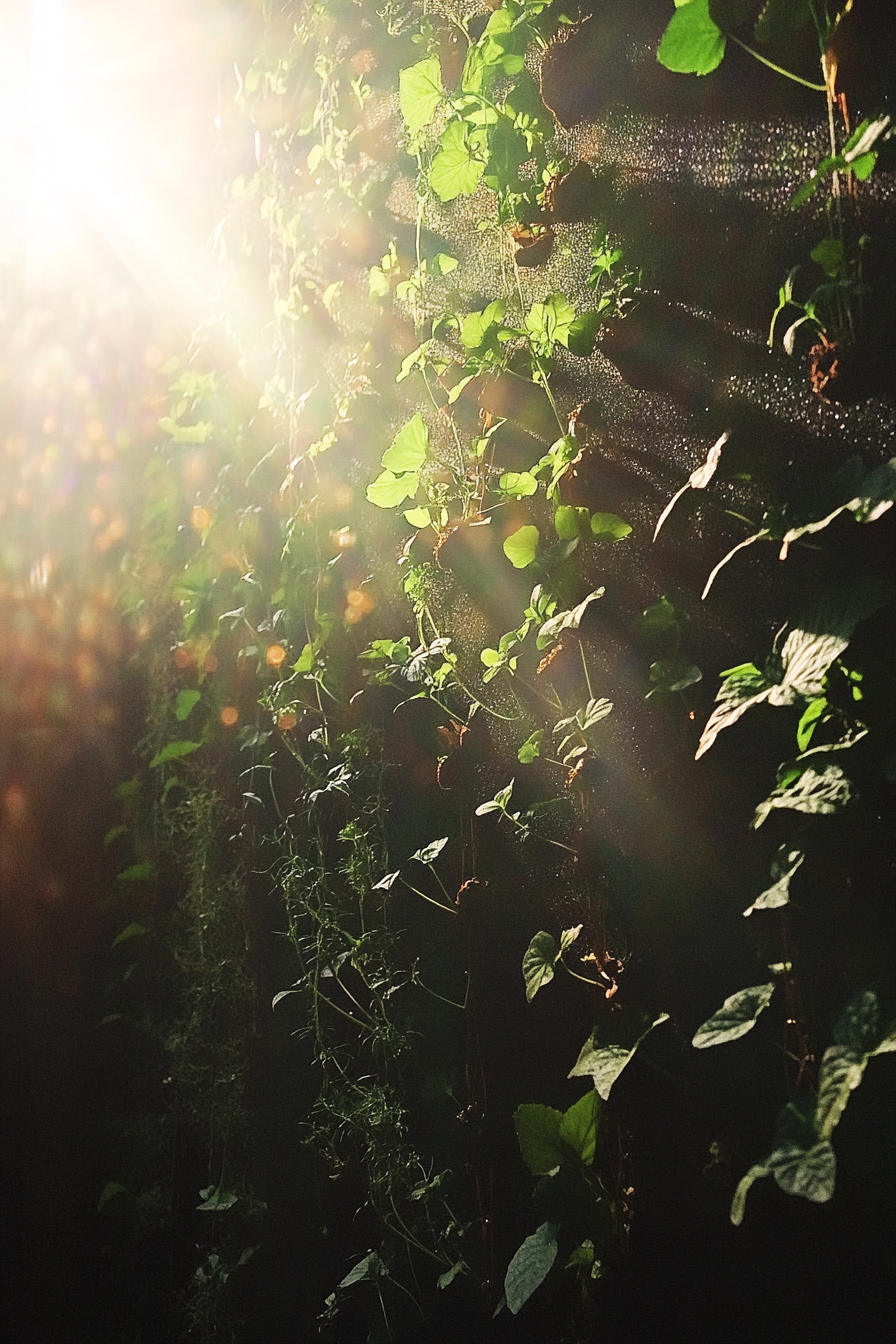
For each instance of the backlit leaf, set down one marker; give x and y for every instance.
(458, 166)
(604, 1063)
(389, 490)
(409, 447)
(784, 866)
(521, 547)
(420, 92)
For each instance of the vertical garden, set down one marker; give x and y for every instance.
(448, 700)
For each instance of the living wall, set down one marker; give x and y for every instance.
(539, 441)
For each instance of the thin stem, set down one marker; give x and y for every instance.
(778, 69)
(585, 669)
(438, 904)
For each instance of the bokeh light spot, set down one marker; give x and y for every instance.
(275, 656)
(200, 518)
(229, 715)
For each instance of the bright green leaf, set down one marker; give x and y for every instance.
(531, 748)
(458, 166)
(409, 447)
(692, 43)
(609, 527)
(186, 702)
(517, 484)
(198, 433)
(521, 547)
(578, 1128)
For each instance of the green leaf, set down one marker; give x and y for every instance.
(571, 522)
(538, 963)
(810, 720)
(111, 1190)
(458, 166)
(817, 792)
(389, 490)
(517, 484)
(531, 748)
(538, 1133)
(784, 865)
(173, 752)
(198, 433)
(692, 43)
(529, 1268)
(521, 547)
(478, 327)
(371, 1267)
(858, 1027)
(583, 333)
(739, 1201)
(418, 517)
(736, 1016)
(429, 853)
(133, 930)
(186, 702)
(409, 447)
(442, 264)
(549, 323)
(420, 92)
(609, 527)
(444, 1280)
(808, 1172)
(578, 1128)
(567, 620)
(215, 1200)
(604, 1063)
(138, 872)
(829, 255)
(841, 1072)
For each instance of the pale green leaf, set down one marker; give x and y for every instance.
(841, 1072)
(517, 484)
(132, 930)
(420, 92)
(784, 865)
(418, 517)
(604, 1063)
(389, 490)
(198, 433)
(736, 1016)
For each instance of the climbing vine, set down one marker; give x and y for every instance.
(369, 726)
